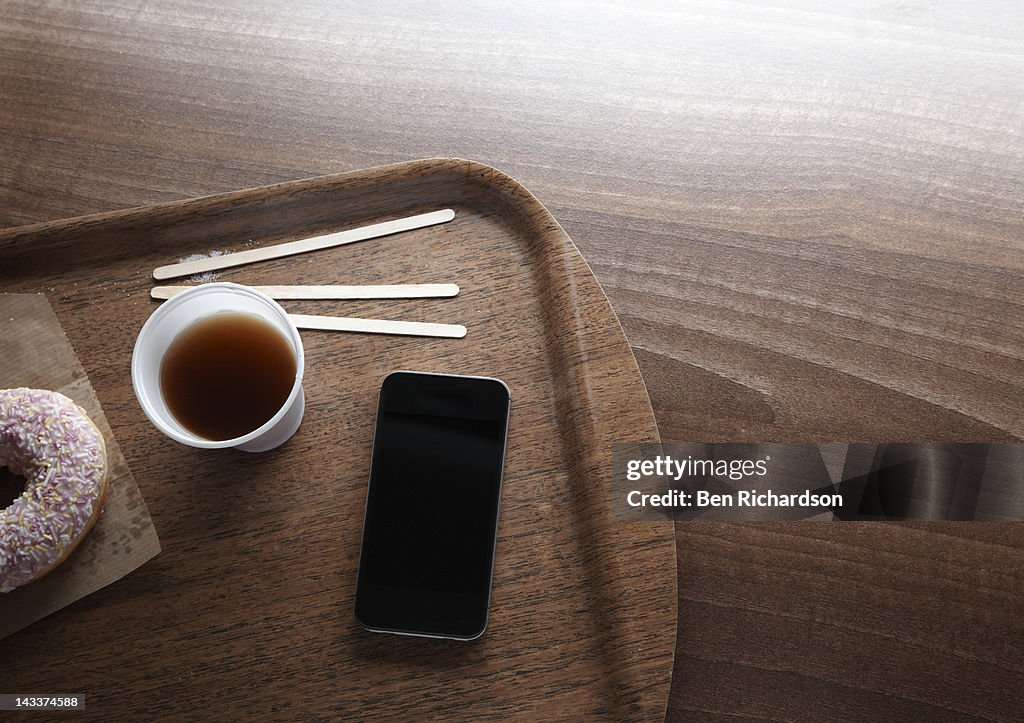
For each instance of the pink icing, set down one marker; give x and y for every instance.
(45, 437)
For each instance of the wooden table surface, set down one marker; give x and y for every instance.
(808, 219)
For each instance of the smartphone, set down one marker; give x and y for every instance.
(427, 555)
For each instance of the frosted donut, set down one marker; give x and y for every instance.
(50, 440)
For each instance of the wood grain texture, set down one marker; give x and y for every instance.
(808, 217)
(255, 587)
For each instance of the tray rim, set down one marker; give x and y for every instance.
(494, 178)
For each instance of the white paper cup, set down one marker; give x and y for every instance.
(179, 313)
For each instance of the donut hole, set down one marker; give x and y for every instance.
(12, 486)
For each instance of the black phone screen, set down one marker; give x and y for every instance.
(432, 505)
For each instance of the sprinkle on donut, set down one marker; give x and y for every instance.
(48, 439)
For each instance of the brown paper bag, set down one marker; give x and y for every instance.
(36, 354)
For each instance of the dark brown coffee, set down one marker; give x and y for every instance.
(226, 375)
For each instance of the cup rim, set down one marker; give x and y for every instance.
(163, 310)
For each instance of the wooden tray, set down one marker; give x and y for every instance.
(249, 608)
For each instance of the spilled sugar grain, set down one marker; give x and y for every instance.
(207, 277)
(203, 278)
